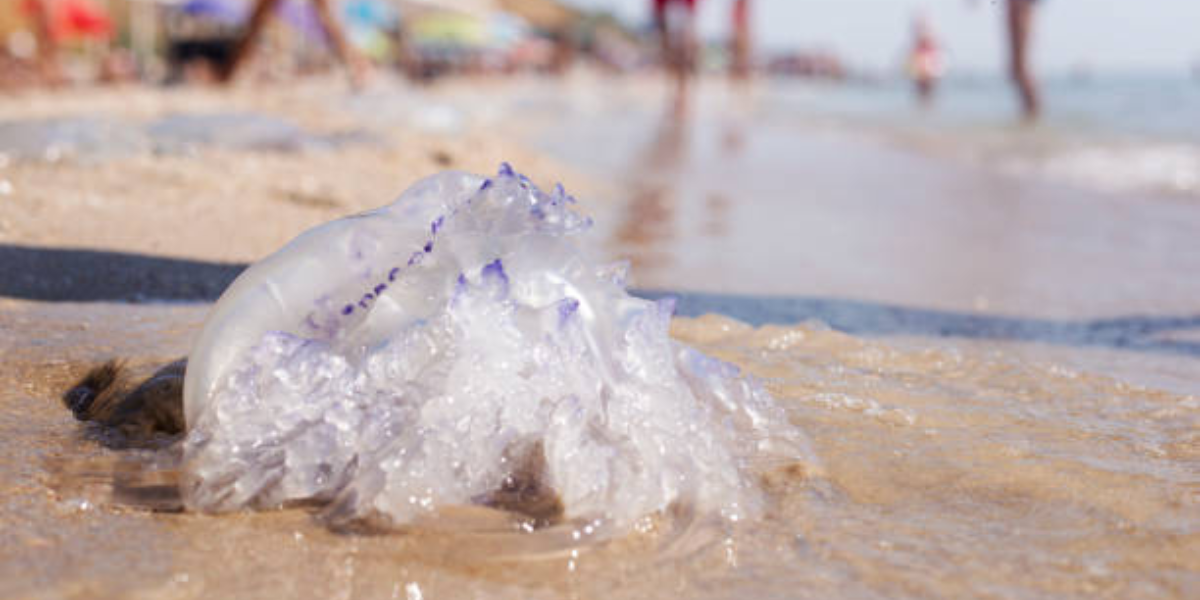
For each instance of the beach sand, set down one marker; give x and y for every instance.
(1007, 406)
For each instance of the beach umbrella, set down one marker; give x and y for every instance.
(74, 19)
(302, 17)
(369, 13)
(475, 8)
(547, 15)
(82, 19)
(506, 30)
(368, 23)
(449, 28)
(230, 12)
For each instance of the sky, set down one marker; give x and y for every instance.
(1101, 35)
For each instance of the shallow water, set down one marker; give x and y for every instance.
(742, 212)
(1109, 132)
(947, 472)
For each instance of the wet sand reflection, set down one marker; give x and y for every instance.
(649, 220)
(652, 225)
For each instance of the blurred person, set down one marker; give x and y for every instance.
(925, 61)
(358, 66)
(47, 49)
(199, 37)
(675, 21)
(55, 20)
(1020, 24)
(739, 47)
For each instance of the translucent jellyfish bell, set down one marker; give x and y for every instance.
(458, 347)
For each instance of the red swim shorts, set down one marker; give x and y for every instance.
(660, 6)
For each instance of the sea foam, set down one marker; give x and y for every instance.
(460, 347)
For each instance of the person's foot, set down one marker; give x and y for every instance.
(361, 73)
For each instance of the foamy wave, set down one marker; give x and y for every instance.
(1169, 168)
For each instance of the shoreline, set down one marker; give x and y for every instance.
(957, 446)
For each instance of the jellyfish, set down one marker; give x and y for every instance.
(463, 346)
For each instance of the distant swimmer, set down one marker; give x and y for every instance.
(1020, 24)
(925, 65)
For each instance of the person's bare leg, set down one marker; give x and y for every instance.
(739, 47)
(684, 62)
(341, 46)
(679, 72)
(664, 38)
(47, 48)
(258, 19)
(1020, 22)
(667, 52)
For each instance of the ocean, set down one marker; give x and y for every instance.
(1133, 132)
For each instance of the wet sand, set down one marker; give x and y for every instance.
(947, 473)
(973, 440)
(193, 193)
